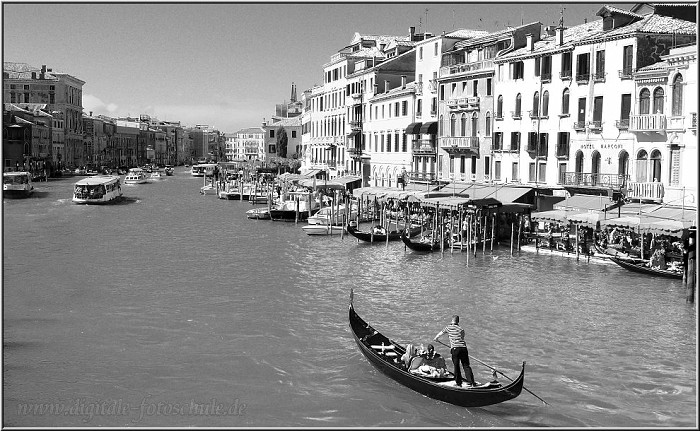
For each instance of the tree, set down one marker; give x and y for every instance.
(282, 143)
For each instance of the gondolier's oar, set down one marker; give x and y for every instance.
(500, 372)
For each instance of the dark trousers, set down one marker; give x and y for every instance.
(461, 354)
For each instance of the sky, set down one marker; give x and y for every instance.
(227, 64)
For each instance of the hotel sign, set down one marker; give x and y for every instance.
(602, 146)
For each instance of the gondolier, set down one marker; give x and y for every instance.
(458, 348)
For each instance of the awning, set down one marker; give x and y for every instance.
(628, 221)
(429, 128)
(353, 133)
(586, 203)
(503, 194)
(413, 128)
(347, 179)
(588, 219)
(559, 216)
(312, 173)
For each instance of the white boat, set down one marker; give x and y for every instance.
(332, 215)
(295, 208)
(203, 169)
(98, 189)
(135, 176)
(169, 170)
(258, 214)
(17, 184)
(157, 175)
(319, 229)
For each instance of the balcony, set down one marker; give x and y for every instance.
(463, 103)
(565, 75)
(419, 114)
(581, 179)
(622, 124)
(466, 67)
(516, 115)
(562, 151)
(648, 123)
(694, 120)
(357, 96)
(460, 143)
(646, 191)
(582, 78)
(579, 126)
(433, 85)
(546, 77)
(354, 152)
(676, 123)
(419, 88)
(452, 103)
(422, 176)
(423, 147)
(625, 73)
(599, 77)
(595, 126)
(356, 125)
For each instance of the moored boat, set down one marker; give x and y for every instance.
(258, 214)
(135, 176)
(295, 208)
(157, 175)
(17, 184)
(203, 169)
(320, 229)
(332, 215)
(99, 189)
(385, 355)
(377, 233)
(643, 267)
(425, 244)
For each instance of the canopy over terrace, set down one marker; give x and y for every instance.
(383, 193)
(655, 219)
(584, 210)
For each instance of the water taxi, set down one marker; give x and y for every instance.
(157, 175)
(135, 176)
(17, 184)
(203, 169)
(99, 189)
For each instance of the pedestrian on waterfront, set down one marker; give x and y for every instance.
(465, 227)
(459, 351)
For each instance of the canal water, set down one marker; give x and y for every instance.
(173, 309)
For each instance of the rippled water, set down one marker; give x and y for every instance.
(176, 298)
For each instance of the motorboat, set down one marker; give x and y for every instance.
(17, 184)
(98, 189)
(332, 215)
(169, 170)
(258, 214)
(135, 176)
(319, 229)
(157, 175)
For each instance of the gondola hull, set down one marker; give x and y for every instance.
(442, 389)
(425, 247)
(640, 268)
(369, 237)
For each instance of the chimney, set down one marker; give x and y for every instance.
(403, 81)
(585, 20)
(559, 36)
(550, 29)
(386, 86)
(91, 113)
(411, 33)
(264, 123)
(529, 42)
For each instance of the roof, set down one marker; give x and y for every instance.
(619, 11)
(251, 130)
(96, 180)
(656, 66)
(585, 203)
(380, 39)
(24, 70)
(287, 122)
(467, 34)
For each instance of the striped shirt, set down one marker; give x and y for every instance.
(456, 334)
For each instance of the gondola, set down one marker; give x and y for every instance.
(394, 235)
(421, 246)
(385, 354)
(605, 253)
(641, 268)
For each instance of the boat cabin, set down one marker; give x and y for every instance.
(97, 190)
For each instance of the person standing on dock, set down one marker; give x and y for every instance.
(459, 351)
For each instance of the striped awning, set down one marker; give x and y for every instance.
(413, 128)
(429, 128)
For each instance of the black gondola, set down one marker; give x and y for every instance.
(366, 236)
(384, 354)
(422, 246)
(642, 268)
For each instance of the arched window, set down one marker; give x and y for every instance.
(659, 100)
(644, 102)
(641, 168)
(536, 104)
(565, 102)
(545, 104)
(518, 102)
(453, 123)
(677, 95)
(579, 162)
(475, 124)
(623, 163)
(463, 125)
(488, 124)
(499, 107)
(441, 126)
(595, 163)
(655, 162)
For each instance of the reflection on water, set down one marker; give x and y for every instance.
(177, 298)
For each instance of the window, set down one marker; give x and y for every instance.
(625, 108)
(641, 170)
(396, 142)
(404, 144)
(453, 122)
(658, 100)
(537, 66)
(475, 87)
(518, 103)
(294, 133)
(563, 145)
(396, 109)
(463, 125)
(488, 124)
(475, 124)
(499, 107)
(404, 108)
(435, 51)
(677, 96)
(543, 145)
(498, 141)
(581, 110)
(487, 166)
(462, 165)
(473, 165)
(419, 108)
(627, 69)
(535, 105)
(497, 170)
(566, 65)
(545, 104)
(597, 112)
(655, 162)
(388, 143)
(515, 173)
(272, 133)
(271, 149)
(583, 67)
(433, 106)
(518, 70)
(515, 141)
(565, 102)
(454, 90)
(532, 142)
(600, 65)
(382, 140)
(546, 68)
(532, 173)
(420, 53)
(452, 165)
(644, 101)
(488, 86)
